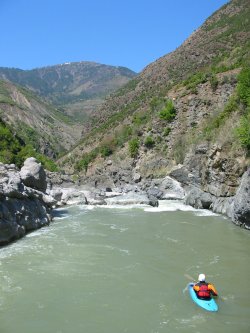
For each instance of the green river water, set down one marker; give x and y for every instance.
(114, 270)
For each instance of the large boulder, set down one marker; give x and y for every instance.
(241, 207)
(172, 189)
(198, 199)
(23, 208)
(67, 196)
(166, 188)
(33, 174)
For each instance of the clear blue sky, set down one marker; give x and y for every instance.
(130, 33)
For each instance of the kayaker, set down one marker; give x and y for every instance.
(203, 289)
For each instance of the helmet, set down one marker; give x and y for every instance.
(201, 277)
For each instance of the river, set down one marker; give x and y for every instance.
(115, 270)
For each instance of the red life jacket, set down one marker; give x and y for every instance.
(204, 291)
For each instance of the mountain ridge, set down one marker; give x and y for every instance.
(78, 87)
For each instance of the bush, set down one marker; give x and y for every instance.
(106, 151)
(83, 163)
(149, 142)
(243, 132)
(140, 118)
(195, 79)
(213, 82)
(133, 147)
(166, 131)
(168, 113)
(243, 86)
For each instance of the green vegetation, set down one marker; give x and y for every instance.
(243, 87)
(134, 147)
(239, 102)
(243, 132)
(168, 113)
(219, 120)
(234, 23)
(166, 131)
(5, 95)
(192, 81)
(140, 118)
(213, 82)
(14, 150)
(149, 142)
(86, 159)
(131, 85)
(243, 90)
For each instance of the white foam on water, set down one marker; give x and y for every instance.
(192, 321)
(169, 206)
(178, 205)
(115, 227)
(124, 207)
(205, 212)
(39, 232)
(215, 260)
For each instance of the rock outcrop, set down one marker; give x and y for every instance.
(241, 205)
(33, 175)
(24, 205)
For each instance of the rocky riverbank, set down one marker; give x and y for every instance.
(24, 205)
(181, 184)
(27, 196)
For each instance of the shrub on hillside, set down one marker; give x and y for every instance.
(149, 142)
(168, 113)
(243, 132)
(243, 87)
(133, 147)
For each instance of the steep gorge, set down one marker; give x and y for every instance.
(182, 116)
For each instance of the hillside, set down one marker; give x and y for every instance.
(36, 122)
(189, 108)
(76, 87)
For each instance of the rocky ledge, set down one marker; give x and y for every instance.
(24, 205)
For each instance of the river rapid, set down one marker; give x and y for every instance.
(125, 269)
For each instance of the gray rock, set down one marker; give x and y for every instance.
(22, 208)
(136, 177)
(172, 189)
(198, 199)
(241, 207)
(72, 196)
(19, 216)
(92, 197)
(223, 205)
(153, 201)
(181, 174)
(155, 192)
(33, 174)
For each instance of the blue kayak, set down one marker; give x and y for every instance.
(209, 305)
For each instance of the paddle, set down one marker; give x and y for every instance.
(189, 277)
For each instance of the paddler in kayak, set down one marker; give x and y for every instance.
(203, 289)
